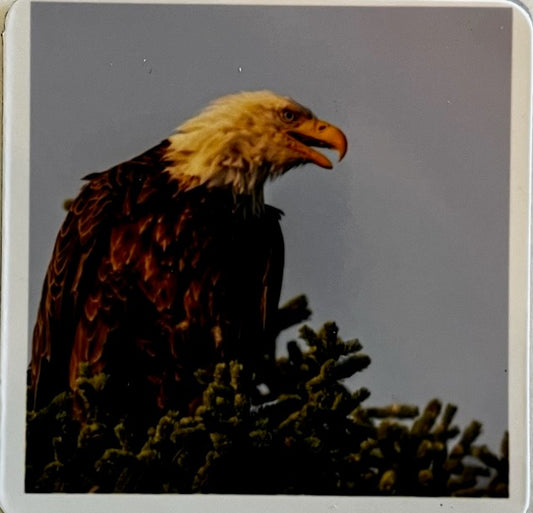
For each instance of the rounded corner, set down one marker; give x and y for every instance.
(15, 13)
(522, 15)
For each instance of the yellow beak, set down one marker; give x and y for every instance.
(317, 133)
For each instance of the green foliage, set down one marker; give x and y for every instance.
(296, 430)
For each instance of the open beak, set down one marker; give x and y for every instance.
(315, 133)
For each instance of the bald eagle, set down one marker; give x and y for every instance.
(171, 261)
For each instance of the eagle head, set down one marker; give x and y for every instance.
(241, 140)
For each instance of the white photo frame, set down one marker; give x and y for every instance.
(19, 170)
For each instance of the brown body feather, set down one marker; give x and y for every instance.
(154, 278)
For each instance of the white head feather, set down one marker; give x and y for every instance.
(241, 140)
(232, 142)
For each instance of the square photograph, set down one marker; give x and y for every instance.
(272, 251)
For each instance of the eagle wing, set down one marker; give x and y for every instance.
(70, 317)
(154, 280)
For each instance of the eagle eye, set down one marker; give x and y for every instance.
(289, 115)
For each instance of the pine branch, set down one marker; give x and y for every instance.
(307, 433)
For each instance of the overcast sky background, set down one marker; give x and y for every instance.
(404, 243)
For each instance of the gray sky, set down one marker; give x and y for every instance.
(404, 243)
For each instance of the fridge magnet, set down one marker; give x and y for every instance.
(265, 255)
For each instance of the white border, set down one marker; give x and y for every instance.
(14, 301)
(520, 253)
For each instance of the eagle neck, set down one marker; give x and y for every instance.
(226, 167)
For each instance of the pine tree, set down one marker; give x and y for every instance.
(293, 428)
